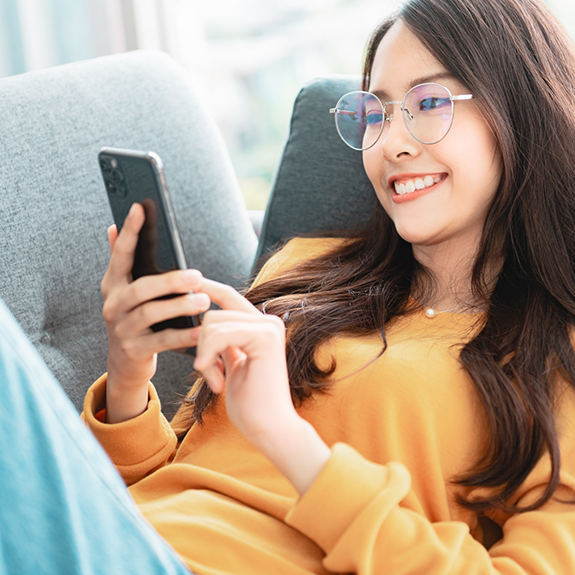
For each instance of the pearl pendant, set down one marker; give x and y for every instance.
(430, 313)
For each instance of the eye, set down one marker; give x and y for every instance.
(432, 103)
(373, 117)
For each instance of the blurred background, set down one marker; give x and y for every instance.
(248, 57)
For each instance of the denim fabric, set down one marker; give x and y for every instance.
(64, 509)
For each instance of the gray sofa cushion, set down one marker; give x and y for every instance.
(54, 211)
(320, 183)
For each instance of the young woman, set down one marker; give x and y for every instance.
(423, 419)
(401, 401)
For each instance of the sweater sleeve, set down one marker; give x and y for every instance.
(353, 512)
(137, 446)
(145, 443)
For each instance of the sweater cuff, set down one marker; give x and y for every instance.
(136, 446)
(342, 491)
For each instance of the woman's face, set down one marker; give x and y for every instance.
(464, 168)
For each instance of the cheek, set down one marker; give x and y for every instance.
(373, 165)
(370, 164)
(478, 171)
(477, 158)
(374, 168)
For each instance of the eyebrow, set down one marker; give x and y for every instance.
(385, 97)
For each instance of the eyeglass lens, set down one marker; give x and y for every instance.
(427, 113)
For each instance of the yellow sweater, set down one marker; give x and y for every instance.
(399, 430)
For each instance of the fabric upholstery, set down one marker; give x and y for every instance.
(54, 210)
(320, 183)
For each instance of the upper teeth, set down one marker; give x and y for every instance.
(417, 184)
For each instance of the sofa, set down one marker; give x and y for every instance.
(54, 210)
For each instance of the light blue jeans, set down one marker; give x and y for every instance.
(64, 509)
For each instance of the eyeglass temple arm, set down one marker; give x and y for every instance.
(347, 112)
(351, 113)
(462, 97)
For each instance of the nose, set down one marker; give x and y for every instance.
(395, 140)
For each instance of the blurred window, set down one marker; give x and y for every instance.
(248, 57)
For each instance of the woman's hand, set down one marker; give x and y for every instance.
(239, 350)
(130, 308)
(242, 352)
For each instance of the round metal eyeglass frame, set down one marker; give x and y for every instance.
(405, 113)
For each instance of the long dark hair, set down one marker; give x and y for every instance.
(519, 64)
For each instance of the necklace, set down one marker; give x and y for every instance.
(431, 313)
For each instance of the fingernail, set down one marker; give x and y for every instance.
(200, 299)
(132, 208)
(191, 276)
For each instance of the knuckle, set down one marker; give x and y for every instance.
(140, 291)
(279, 327)
(276, 321)
(129, 348)
(208, 316)
(160, 338)
(177, 282)
(172, 282)
(230, 292)
(137, 290)
(108, 311)
(226, 293)
(272, 328)
(145, 314)
(166, 338)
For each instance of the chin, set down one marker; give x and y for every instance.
(415, 234)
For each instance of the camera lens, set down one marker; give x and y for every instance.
(112, 188)
(116, 176)
(105, 164)
(113, 176)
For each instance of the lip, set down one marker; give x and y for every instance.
(402, 198)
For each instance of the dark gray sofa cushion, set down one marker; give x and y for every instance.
(320, 183)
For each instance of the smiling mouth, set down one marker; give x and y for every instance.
(416, 184)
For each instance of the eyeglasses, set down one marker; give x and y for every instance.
(360, 117)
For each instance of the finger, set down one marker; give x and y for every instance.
(151, 343)
(152, 287)
(217, 375)
(112, 236)
(231, 355)
(255, 339)
(152, 312)
(129, 296)
(225, 296)
(222, 316)
(215, 378)
(231, 358)
(122, 258)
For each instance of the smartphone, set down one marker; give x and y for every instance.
(132, 176)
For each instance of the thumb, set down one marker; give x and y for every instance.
(112, 236)
(232, 357)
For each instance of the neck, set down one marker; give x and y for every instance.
(450, 265)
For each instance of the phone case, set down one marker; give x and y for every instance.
(132, 176)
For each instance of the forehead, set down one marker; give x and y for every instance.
(401, 59)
